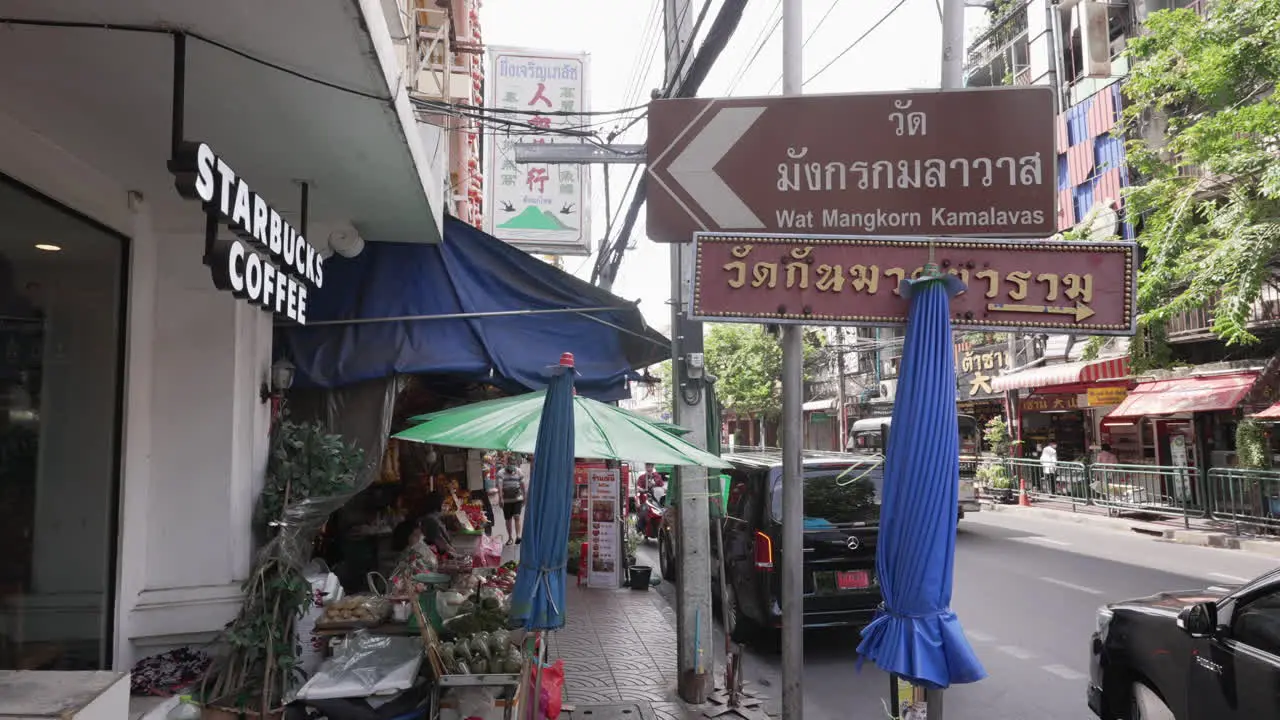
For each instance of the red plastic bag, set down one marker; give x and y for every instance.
(551, 693)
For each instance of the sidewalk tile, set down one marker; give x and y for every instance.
(619, 646)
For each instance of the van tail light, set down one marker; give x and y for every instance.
(764, 552)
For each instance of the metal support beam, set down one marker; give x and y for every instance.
(579, 154)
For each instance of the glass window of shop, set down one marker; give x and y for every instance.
(61, 281)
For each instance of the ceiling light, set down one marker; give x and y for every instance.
(48, 248)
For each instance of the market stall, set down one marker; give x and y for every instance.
(443, 633)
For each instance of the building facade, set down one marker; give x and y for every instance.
(1077, 47)
(137, 423)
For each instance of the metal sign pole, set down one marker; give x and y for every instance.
(792, 435)
(952, 79)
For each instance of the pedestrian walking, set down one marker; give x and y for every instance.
(1049, 464)
(513, 486)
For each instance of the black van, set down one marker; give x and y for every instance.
(842, 498)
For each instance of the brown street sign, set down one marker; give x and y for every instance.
(958, 162)
(1084, 287)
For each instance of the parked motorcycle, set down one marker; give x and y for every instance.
(650, 505)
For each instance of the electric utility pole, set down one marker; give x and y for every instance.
(695, 649)
(792, 435)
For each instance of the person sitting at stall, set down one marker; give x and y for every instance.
(415, 556)
(434, 531)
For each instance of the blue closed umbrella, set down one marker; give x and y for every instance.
(915, 635)
(537, 600)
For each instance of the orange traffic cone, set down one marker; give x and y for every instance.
(1023, 500)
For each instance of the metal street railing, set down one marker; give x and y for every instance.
(1055, 481)
(1157, 489)
(1248, 498)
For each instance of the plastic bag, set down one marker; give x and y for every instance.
(457, 564)
(473, 702)
(489, 551)
(366, 665)
(325, 590)
(449, 603)
(358, 609)
(551, 690)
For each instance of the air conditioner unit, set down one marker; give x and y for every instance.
(1095, 39)
(888, 389)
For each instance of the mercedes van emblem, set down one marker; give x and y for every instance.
(852, 542)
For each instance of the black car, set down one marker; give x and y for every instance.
(1205, 655)
(842, 518)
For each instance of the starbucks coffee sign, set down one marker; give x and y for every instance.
(269, 263)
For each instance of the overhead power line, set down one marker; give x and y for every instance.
(722, 29)
(854, 44)
(821, 21)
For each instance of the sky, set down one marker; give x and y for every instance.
(625, 45)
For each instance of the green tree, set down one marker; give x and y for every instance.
(747, 362)
(1209, 198)
(663, 373)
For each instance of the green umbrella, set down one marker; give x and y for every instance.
(669, 427)
(601, 431)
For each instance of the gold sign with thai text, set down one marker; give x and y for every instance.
(1102, 396)
(1049, 403)
(823, 280)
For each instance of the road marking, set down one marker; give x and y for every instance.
(1071, 586)
(976, 636)
(1230, 578)
(1063, 672)
(1045, 540)
(1016, 652)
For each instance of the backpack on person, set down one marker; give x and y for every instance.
(512, 483)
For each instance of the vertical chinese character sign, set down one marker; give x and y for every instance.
(538, 208)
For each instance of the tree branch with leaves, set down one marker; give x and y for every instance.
(747, 362)
(1209, 196)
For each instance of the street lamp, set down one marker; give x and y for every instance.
(282, 372)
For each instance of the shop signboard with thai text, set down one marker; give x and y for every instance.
(976, 367)
(1077, 287)
(1105, 396)
(537, 96)
(603, 538)
(958, 162)
(1049, 403)
(265, 260)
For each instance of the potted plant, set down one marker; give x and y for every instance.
(997, 481)
(310, 473)
(631, 542)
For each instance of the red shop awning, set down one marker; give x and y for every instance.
(1271, 413)
(1085, 371)
(1185, 395)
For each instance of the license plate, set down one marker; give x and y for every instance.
(852, 580)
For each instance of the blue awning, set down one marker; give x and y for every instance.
(470, 272)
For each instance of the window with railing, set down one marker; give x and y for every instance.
(1197, 324)
(1000, 53)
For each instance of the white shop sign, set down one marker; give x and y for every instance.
(602, 540)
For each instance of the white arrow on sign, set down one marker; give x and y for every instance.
(694, 168)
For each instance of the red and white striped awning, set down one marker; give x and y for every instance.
(1271, 413)
(1085, 371)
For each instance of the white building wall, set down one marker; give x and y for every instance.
(195, 431)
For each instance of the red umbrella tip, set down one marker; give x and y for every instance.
(566, 359)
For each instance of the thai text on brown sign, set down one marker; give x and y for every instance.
(1049, 403)
(962, 162)
(1081, 287)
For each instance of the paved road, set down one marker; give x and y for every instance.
(1027, 590)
